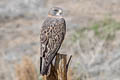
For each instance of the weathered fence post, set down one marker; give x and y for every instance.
(59, 69)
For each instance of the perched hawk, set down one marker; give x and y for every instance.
(51, 37)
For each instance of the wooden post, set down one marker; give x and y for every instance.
(58, 70)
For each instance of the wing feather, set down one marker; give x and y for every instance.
(51, 38)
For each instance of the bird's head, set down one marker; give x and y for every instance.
(55, 11)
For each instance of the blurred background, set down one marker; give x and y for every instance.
(93, 36)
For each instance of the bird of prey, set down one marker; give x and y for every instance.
(52, 35)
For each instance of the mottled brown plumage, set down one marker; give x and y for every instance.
(51, 37)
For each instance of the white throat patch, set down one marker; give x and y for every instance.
(59, 13)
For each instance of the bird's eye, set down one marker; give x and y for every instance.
(56, 10)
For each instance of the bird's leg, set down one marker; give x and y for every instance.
(68, 63)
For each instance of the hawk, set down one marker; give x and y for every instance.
(52, 35)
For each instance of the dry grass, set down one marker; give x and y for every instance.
(26, 70)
